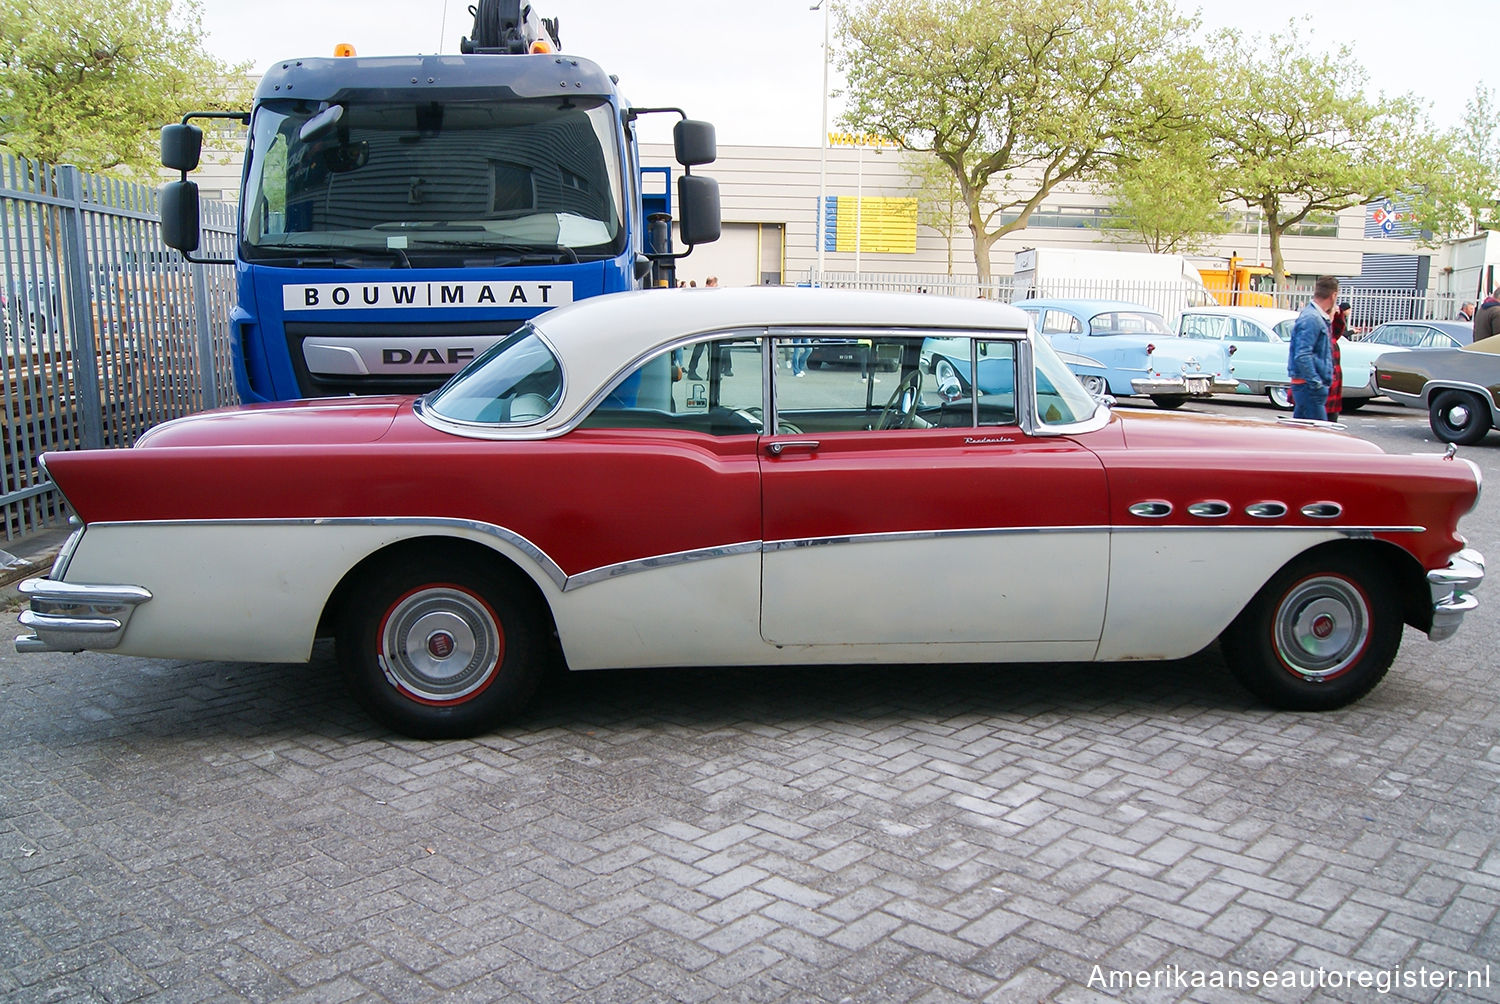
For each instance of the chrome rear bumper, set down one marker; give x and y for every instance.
(1452, 592)
(1191, 384)
(69, 617)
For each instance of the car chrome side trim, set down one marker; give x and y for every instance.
(568, 583)
(904, 535)
(657, 561)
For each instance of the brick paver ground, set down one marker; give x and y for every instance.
(199, 832)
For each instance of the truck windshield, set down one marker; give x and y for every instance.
(435, 182)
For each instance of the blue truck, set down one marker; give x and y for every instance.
(400, 214)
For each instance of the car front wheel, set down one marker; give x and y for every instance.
(441, 648)
(1321, 634)
(1457, 416)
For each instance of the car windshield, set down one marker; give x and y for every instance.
(515, 382)
(1128, 322)
(1060, 398)
(435, 180)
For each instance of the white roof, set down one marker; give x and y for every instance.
(1268, 316)
(599, 337)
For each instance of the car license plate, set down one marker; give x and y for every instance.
(1197, 385)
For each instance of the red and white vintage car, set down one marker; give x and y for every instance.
(571, 492)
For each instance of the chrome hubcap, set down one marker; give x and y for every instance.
(1458, 416)
(1322, 627)
(440, 644)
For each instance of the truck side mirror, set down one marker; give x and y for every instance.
(694, 142)
(179, 215)
(698, 209)
(181, 146)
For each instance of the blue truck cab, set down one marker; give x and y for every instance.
(400, 214)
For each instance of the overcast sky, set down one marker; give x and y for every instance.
(756, 70)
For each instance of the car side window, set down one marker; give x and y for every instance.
(1248, 331)
(995, 383)
(1405, 335)
(712, 386)
(1205, 326)
(836, 383)
(1060, 322)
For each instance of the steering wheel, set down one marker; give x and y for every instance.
(899, 409)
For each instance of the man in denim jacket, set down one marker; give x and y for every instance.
(1310, 360)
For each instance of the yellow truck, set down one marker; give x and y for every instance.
(1236, 284)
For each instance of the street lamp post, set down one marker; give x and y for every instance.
(822, 238)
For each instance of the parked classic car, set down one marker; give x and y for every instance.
(1124, 348)
(1460, 388)
(1259, 342)
(569, 494)
(1420, 335)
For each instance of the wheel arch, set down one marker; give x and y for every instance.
(1433, 388)
(1403, 571)
(425, 548)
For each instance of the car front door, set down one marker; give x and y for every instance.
(891, 517)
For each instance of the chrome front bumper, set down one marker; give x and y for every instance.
(1453, 592)
(1194, 385)
(68, 617)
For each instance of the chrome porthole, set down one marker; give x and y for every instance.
(1322, 510)
(1154, 509)
(1266, 510)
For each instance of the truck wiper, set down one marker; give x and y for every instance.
(521, 253)
(353, 258)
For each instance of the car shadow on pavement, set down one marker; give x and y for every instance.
(93, 697)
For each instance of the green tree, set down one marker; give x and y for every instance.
(939, 205)
(1013, 97)
(1297, 136)
(1459, 172)
(90, 83)
(1168, 199)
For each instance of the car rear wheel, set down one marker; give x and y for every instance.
(1281, 397)
(1169, 402)
(1355, 403)
(1457, 416)
(441, 648)
(1321, 634)
(1094, 384)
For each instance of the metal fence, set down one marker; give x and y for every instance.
(1368, 305)
(106, 332)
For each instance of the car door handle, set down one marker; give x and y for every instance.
(780, 446)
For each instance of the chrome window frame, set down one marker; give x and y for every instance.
(783, 335)
(753, 332)
(497, 430)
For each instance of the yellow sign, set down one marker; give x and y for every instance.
(856, 139)
(884, 224)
